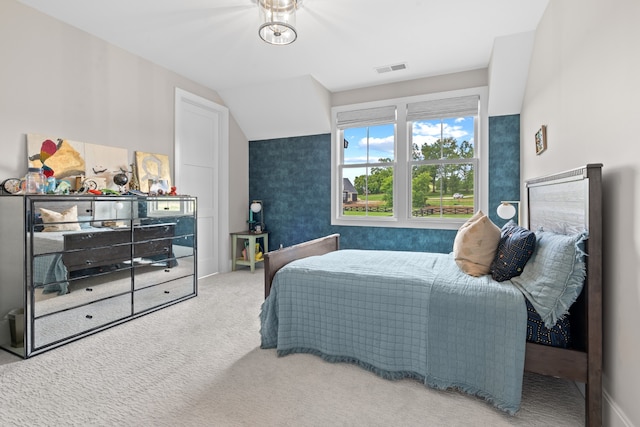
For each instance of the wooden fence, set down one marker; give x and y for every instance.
(444, 210)
(426, 211)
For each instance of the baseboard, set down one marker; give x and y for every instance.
(612, 414)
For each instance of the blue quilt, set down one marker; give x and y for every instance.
(402, 314)
(50, 273)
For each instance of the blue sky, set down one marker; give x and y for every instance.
(381, 140)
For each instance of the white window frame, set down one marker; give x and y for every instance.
(402, 179)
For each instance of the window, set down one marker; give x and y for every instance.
(413, 162)
(367, 161)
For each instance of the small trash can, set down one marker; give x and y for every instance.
(16, 325)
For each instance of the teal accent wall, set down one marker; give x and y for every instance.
(504, 163)
(292, 176)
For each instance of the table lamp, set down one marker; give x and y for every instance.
(255, 210)
(506, 210)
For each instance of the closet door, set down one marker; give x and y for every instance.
(202, 170)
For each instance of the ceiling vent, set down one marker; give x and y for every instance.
(388, 68)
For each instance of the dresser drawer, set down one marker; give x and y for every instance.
(84, 291)
(156, 248)
(95, 239)
(66, 324)
(96, 257)
(155, 296)
(155, 231)
(159, 272)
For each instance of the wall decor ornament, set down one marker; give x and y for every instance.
(541, 139)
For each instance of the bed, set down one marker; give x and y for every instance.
(562, 204)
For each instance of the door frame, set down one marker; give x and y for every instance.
(222, 167)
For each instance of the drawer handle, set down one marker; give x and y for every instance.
(167, 292)
(89, 289)
(88, 316)
(88, 262)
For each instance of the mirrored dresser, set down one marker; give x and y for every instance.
(71, 266)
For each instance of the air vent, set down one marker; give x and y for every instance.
(388, 68)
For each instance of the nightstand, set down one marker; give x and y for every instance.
(251, 238)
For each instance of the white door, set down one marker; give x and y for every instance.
(202, 170)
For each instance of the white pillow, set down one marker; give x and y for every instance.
(60, 221)
(475, 245)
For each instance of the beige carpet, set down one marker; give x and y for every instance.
(198, 363)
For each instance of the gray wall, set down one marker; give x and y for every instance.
(584, 82)
(57, 80)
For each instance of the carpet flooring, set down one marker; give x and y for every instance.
(199, 363)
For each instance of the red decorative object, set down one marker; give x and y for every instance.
(173, 192)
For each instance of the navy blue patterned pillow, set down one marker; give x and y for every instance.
(514, 250)
(558, 336)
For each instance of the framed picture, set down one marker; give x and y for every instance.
(541, 139)
(152, 168)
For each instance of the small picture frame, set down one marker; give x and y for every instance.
(541, 139)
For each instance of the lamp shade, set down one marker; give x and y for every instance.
(506, 210)
(256, 207)
(277, 21)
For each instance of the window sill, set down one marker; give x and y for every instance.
(436, 224)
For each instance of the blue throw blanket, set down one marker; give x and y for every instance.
(402, 314)
(50, 273)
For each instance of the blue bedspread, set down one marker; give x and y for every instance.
(402, 314)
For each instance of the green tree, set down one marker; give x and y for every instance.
(387, 190)
(360, 184)
(451, 178)
(420, 189)
(373, 183)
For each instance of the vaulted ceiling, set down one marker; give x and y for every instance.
(340, 45)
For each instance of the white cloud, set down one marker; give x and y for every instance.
(429, 132)
(378, 144)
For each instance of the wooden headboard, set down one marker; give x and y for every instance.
(568, 203)
(571, 202)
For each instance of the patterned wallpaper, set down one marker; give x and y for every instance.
(292, 176)
(504, 162)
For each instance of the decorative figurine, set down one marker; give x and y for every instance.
(120, 179)
(133, 183)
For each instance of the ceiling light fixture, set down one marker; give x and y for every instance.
(278, 20)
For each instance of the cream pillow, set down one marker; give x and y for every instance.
(51, 219)
(475, 245)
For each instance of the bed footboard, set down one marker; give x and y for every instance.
(275, 260)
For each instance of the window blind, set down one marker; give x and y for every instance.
(463, 106)
(367, 117)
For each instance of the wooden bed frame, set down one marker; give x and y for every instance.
(567, 202)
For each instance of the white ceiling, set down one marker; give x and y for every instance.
(340, 44)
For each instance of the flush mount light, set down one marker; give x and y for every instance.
(278, 20)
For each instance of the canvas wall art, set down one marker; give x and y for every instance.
(67, 159)
(541, 139)
(152, 167)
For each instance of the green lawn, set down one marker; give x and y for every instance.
(447, 200)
